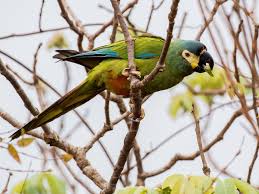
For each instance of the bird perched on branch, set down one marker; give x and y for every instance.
(108, 65)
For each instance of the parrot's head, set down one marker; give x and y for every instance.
(195, 56)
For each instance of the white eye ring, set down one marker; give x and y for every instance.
(186, 54)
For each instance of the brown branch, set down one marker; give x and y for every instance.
(124, 115)
(180, 157)
(40, 15)
(22, 171)
(206, 24)
(205, 168)
(135, 99)
(150, 15)
(76, 177)
(21, 93)
(60, 95)
(17, 87)
(9, 119)
(74, 23)
(17, 35)
(249, 14)
(224, 170)
(78, 154)
(7, 183)
(39, 91)
(179, 131)
(235, 51)
(208, 92)
(251, 166)
(110, 22)
(161, 62)
(255, 79)
(53, 139)
(54, 154)
(182, 25)
(30, 83)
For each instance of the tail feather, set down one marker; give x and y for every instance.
(67, 55)
(79, 95)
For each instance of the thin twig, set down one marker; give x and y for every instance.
(205, 168)
(207, 22)
(40, 15)
(251, 166)
(160, 66)
(7, 183)
(180, 157)
(135, 99)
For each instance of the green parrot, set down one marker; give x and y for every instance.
(107, 66)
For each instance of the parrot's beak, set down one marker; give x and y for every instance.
(205, 64)
(208, 69)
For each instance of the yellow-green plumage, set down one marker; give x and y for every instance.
(107, 63)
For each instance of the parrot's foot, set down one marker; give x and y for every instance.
(126, 72)
(142, 115)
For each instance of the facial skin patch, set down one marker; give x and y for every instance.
(191, 58)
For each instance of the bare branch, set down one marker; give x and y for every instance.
(161, 62)
(251, 166)
(205, 168)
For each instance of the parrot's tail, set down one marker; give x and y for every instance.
(79, 95)
(68, 55)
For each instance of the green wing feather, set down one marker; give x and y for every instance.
(146, 47)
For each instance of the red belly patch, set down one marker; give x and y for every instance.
(119, 85)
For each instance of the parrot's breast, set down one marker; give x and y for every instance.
(118, 85)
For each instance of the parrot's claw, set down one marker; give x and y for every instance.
(126, 72)
(142, 115)
(136, 73)
(162, 68)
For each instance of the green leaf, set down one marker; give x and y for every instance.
(174, 182)
(43, 183)
(55, 184)
(154, 191)
(126, 190)
(13, 152)
(225, 187)
(166, 190)
(181, 103)
(141, 190)
(66, 157)
(244, 187)
(57, 41)
(24, 142)
(203, 81)
(201, 184)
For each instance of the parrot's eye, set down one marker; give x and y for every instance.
(186, 54)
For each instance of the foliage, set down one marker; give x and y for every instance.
(57, 41)
(202, 83)
(13, 152)
(42, 183)
(22, 143)
(180, 184)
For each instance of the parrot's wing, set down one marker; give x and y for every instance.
(146, 47)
